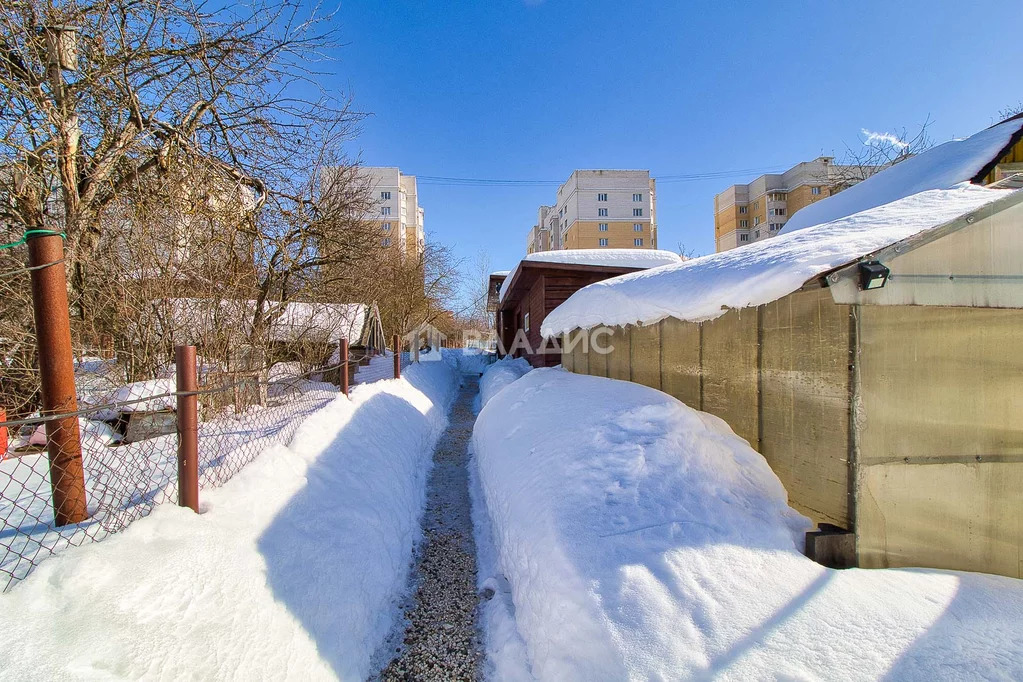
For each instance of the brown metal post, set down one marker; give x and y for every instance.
(57, 377)
(3, 434)
(397, 358)
(344, 366)
(188, 428)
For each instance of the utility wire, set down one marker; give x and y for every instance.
(506, 182)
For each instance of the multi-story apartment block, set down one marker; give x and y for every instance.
(748, 213)
(396, 208)
(540, 235)
(599, 209)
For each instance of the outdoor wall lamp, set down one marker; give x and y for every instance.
(873, 275)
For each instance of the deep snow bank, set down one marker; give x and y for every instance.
(500, 374)
(641, 539)
(293, 570)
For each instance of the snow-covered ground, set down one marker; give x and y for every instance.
(294, 568)
(632, 537)
(126, 482)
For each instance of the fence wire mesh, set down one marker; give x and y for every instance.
(129, 454)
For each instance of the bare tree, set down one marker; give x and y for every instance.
(1010, 111)
(95, 97)
(875, 152)
(417, 289)
(686, 252)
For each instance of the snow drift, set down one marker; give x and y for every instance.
(638, 538)
(293, 570)
(500, 374)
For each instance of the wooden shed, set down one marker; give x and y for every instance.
(543, 281)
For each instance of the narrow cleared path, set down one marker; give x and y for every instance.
(441, 640)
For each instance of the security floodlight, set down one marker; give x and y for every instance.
(873, 275)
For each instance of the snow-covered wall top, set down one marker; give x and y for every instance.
(704, 288)
(612, 258)
(297, 320)
(939, 168)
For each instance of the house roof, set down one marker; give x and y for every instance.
(632, 259)
(941, 167)
(705, 288)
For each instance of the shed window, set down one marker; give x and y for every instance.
(525, 322)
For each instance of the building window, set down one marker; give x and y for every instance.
(525, 322)
(776, 226)
(637, 197)
(603, 242)
(815, 190)
(637, 242)
(602, 212)
(743, 237)
(756, 205)
(385, 210)
(743, 209)
(602, 196)
(776, 197)
(756, 220)
(743, 223)
(603, 227)
(756, 235)
(637, 212)
(776, 211)
(385, 196)
(387, 227)
(386, 241)
(637, 227)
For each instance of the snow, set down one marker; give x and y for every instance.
(500, 374)
(328, 322)
(704, 288)
(611, 258)
(636, 538)
(468, 360)
(940, 167)
(294, 569)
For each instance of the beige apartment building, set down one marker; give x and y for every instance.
(599, 209)
(396, 208)
(748, 213)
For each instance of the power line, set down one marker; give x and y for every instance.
(508, 182)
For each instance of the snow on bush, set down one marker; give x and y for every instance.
(637, 538)
(294, 569)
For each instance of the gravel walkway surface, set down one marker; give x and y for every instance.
(441, 641)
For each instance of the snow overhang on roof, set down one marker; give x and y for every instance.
(940, 167)
(635, 259)
(749, 276)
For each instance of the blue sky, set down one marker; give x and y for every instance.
(509, 89)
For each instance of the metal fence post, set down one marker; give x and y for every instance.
(188, 427)
(3, 434)
(344, 366)
(397, 358)
(57, 377)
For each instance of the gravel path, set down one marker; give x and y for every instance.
(441, 641)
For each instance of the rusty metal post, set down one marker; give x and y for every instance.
(397, 357)
(344, 366)
(57, 377)
(188, 427)
(3, 435)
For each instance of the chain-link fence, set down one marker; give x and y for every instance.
(129, 449)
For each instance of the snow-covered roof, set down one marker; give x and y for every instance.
(941, 167)
(297, 320)
(704, 288)
(500, 273)
(611, 258)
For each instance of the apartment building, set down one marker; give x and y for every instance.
(540, 235)
(396, 208)
(748, 213)
(599, 209)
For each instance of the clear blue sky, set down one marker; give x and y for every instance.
(511, 89)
